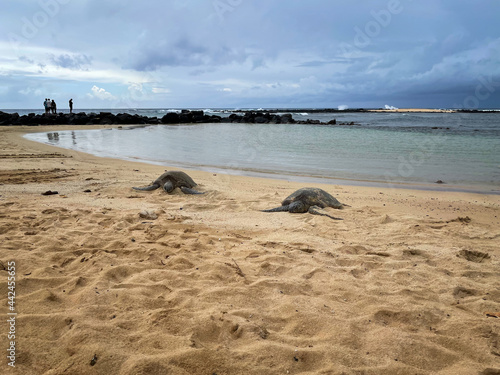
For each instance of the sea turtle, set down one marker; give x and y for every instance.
(308, 200)
(171, 180)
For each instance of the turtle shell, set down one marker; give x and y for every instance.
(312, 197)
(178, 179)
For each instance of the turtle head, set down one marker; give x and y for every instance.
(168, 186)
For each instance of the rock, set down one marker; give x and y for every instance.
(287, 119)
(107, 118)
(215, 119)
(170, 118)
(148, 215)
(186, 116)
(196, 113)
(235, 118)
(261, 120)
(199, 117)
(126, 119)
(5, 118)
(49, 192)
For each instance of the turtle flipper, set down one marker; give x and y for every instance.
(187, 190)
(147, 188)
(315, 210)
(295, 208)
(278, 209)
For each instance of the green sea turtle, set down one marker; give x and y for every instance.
(171, 180)
(308, 200)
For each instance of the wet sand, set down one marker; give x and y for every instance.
(116, 281)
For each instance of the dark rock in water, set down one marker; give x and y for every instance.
(80, 118)
(107, 118)
(5, 118)
(439, 182)
(199, 117)
(196, 113)
(126, 119)
(260, 120)
(287, 119)
(186, 116)
(170, 118)
(235, 118)
(275, 119)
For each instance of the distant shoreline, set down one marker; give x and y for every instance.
(262, 110)
(416, 110)
(382, 110)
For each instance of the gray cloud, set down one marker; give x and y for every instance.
(260, 52)
(76, 62)
(182, 52)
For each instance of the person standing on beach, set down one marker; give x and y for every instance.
(46, 105)
(53, 106)
(71, 106)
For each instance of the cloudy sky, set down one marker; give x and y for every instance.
(250, 53)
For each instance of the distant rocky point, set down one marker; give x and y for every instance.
(184, 117)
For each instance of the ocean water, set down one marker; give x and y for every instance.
(418, 149)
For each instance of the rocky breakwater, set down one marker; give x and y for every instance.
(249, 117)
(183, 117)
(82, 118)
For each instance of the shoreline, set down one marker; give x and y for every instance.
(299, 178)
(139, 282)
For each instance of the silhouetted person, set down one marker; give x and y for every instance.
(53, 106)
(71, 106)
(46, 104)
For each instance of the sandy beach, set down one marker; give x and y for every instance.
(110, 280)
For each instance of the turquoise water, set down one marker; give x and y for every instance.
(388, 148)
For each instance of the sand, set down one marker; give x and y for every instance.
(406, 283)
